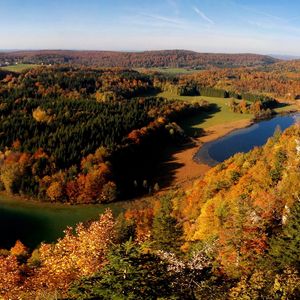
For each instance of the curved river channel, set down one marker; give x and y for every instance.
(242, 140)
(33, 223)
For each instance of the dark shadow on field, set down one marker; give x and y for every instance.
(189, 123)
(25, 227)
(165, 169)
(141, 167)
(281, 104)
(149, 93)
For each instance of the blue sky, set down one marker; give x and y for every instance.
(260, 26)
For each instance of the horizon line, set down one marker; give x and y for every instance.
(145, 50)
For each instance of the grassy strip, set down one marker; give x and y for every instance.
(19, 68)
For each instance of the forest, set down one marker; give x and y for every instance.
(146, 59)
(279, 80)
(90, 135)
(234, 235)
(67, 130)
(149, 150)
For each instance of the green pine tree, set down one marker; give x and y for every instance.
(284, 249)
(166, 232)
(129, 274)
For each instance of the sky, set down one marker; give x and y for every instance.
(230, 26)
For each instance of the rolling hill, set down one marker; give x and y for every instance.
(147, 59)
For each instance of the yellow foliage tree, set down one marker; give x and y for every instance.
(19, 249)
(55, 191)
(40, 115)
(77, 254)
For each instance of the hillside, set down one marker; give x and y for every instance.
(279, 80)
(85, 135)
(244, 202)
(292, 66)
(240, 225)
(147, 59)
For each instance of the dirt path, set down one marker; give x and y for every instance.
(189, 170)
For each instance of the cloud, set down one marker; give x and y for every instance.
(203, 15)
(164, 19)
(264, 14)
(146, 21)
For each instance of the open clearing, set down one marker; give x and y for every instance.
(219, 114)
(19, 67)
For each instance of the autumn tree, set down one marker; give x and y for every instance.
(10, 276)
(79, 253)
(263, 284)
(19, 250)
(130, 273)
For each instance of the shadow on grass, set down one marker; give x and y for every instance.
(138, 170)
(167, 166)
(15, 225)
(149, 93)
(281, 104)
(189, 123)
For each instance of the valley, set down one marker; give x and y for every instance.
(132, 154)
(149, 150)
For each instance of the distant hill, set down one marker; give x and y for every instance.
(291, 66)
(147, 59)
(285, 57)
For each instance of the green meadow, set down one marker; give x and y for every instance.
(19, 67)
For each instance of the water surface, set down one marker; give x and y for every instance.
(242, 140)
(33, 223)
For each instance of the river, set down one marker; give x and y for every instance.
(34, 222)
(242, 140)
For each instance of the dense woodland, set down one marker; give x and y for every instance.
(278, 80)
(234, 235)
(147, 59)
(67, 130)
(81, 135)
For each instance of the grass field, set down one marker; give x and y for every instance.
(219, 113)
(34, 222)
(286, 108)
(19, 68)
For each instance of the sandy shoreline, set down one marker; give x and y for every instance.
(190, 170)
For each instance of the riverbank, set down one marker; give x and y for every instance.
(188, 169)
(33, 222)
